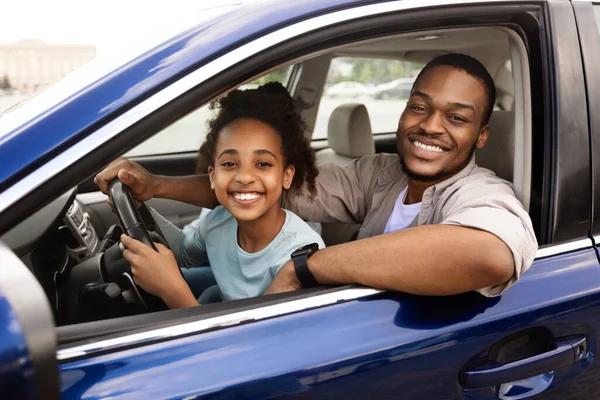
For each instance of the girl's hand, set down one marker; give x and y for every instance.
(157, 272)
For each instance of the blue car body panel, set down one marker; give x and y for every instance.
(36, 140)
(16, 370)
(382, 347)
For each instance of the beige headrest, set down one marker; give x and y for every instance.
(504, 81)
(349, 131)
(498, 154)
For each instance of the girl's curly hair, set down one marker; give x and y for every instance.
(272, 105)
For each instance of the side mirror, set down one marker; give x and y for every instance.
(28, 364)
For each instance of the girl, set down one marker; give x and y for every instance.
(254, 151)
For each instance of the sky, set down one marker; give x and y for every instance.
(104, 24)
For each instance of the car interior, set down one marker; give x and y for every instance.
(61, 242)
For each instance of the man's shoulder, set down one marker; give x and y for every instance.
(481, 183)
(481, 175)
(378, 165)
(377, 161)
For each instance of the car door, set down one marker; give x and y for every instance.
(538, 339)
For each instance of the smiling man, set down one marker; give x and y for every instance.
(433, 222)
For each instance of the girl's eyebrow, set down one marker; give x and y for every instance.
(234, 152)
(264, 151)
(228, 151)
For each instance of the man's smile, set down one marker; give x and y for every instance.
(435, 149)
(425, 148)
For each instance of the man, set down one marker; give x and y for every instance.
(433, 223)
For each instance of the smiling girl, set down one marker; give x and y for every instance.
(254, 151)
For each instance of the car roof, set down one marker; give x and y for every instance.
(24, 145)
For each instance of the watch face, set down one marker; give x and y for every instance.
(309, 248)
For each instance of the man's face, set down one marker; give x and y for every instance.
(442, 124)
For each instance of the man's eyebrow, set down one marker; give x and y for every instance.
(264, 151)
(421, 94)
(462, 105)
(232, 152)
(455, 104)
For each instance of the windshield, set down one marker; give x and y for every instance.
(143, 31)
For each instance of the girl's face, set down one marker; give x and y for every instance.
(250, 171)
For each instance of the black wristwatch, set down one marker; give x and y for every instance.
(299, 257)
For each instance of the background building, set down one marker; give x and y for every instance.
(30, 65)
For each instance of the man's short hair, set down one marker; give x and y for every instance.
(471, 66)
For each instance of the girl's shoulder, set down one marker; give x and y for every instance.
(302, 231)
(217, 217)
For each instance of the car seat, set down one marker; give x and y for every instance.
(498, 154)
(350, 137)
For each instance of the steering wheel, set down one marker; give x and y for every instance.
(134, 226)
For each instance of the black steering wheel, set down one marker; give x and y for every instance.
(135, 226)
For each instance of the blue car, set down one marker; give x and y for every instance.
(73, 325)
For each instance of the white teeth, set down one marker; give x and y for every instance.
(246, 196)
(423, 146)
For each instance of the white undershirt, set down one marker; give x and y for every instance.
(402, 214)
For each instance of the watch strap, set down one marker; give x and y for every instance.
(300, 260)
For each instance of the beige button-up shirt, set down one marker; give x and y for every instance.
(365, 191)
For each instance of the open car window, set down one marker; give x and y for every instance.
(188, 133)
(381, 84)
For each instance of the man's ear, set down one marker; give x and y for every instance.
(288, 176)
(483, 137)
(211, 176)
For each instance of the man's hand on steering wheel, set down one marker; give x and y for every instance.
(157, 272)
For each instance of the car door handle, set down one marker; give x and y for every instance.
(567, 352)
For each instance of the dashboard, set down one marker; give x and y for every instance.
(65, 217)
(62, 248)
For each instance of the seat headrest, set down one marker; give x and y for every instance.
(504, 81)
(498, 155)
(349, 131)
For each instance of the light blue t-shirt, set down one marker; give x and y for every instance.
(239, 274)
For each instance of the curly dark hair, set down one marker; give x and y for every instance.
(272, 105)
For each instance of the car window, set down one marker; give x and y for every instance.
(382, 85)
(188, 133)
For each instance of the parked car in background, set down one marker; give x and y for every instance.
(347, 89)
(397, 89)
(74, 325)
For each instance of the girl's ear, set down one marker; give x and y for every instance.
(288, 176)
(211, 176)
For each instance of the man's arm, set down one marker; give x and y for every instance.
(193, 189)
(341, 192)
(425, 260)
